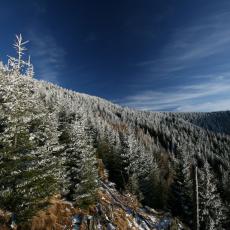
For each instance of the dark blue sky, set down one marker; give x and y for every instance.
(169, 55)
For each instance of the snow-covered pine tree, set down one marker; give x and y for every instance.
(81, 164)
(181, 197)
(211, 206)
(66, 120)
(226, 195)
(130, 153)
(30, 68)
(26, 175)
(131, 156)
(110, 148)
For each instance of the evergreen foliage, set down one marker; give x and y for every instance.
(181, 193)
(211, 206)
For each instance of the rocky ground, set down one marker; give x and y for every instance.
(112, 211)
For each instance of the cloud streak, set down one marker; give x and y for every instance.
(47, 55)
(192, 45)
(195, 63)
(211, 96)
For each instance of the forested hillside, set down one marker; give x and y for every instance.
(213, 121)
(52, 140)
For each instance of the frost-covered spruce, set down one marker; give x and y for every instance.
(81, 164)
(27, 140)
(211, 205)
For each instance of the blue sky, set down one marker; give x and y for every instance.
(160, 55)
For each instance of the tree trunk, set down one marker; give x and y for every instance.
(197, 200)
(16, 136)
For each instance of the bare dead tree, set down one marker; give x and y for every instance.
(20, 48)
(17, 63)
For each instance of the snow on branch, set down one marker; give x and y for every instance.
(17, 64)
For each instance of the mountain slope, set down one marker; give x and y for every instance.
(52, 138)
(213, 121)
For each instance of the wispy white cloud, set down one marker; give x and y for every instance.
(207, 96)
(202, 47)
(48, 56)
(191, 45)
(217, 105)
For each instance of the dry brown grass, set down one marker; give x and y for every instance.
(56, 216)
(120, 127)
(101, 170)
(4, 219)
